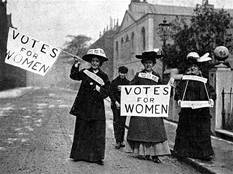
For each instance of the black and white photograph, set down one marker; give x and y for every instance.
(116, 86)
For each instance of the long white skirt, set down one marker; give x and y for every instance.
(145, 148)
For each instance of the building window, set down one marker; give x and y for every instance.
(132, 41)
(122, 42)
(143, 34)
(117, 51)
(127, 39)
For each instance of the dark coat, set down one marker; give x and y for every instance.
(115, 93)
(193, 131)
(195, 92)
(149, 129)
(89, 103)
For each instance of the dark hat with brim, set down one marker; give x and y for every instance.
(123, 69)
(192, 58)
(150, 55)
(99, 53)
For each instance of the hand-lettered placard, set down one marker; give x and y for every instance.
(30, 54)
(145, 100)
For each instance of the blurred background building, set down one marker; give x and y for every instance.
(10, 77)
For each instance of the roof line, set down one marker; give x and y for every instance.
(162, 14)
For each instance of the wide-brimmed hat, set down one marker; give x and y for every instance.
(98, 52)
(204, 58)
(150, 55)
(193, 57)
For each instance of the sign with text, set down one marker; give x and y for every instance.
(30, 54)
(195, 78)
(145, 100)
(195, 104)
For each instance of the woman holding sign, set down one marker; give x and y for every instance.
(193, 94)
(89, 135)
(146, 135)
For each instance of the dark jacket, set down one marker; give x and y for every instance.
(195, 91)
(115, 93)
(89, 103)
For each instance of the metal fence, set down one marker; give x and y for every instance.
(227, 110)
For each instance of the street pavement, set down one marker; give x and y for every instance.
(36, 132)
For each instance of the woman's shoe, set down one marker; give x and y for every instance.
(207, 158)
(155, 159)
(118, 145)
(122, 145)
(141, 157)
(100, 162)
(147, 157)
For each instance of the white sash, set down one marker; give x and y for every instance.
(94, 77)
(196, 78)
(148, 76)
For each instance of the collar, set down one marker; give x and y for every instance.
(95, 71)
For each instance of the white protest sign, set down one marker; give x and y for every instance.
(195, 104)
(195, 78)
(30, 54)
(145, 100)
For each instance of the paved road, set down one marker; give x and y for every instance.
(36, 135)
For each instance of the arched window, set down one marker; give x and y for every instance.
(127, 39)
(132, 41)
(143, 34)
(117, 51)
(122, 42)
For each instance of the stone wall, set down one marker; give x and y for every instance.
(220, 79)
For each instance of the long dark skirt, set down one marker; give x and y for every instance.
(89, 141)
(193, 136)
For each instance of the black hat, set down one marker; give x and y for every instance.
(150, 55)
(192, 58)
(123, 69)
(98, 52)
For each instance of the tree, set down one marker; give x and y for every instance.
(175, 53)
(77, 46)
(208, 28)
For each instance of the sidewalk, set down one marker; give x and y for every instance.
(221, 164)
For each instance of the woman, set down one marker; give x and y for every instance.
(89, 135)
(147, 136)
(193, 131)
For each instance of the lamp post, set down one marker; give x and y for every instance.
(164, 28)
